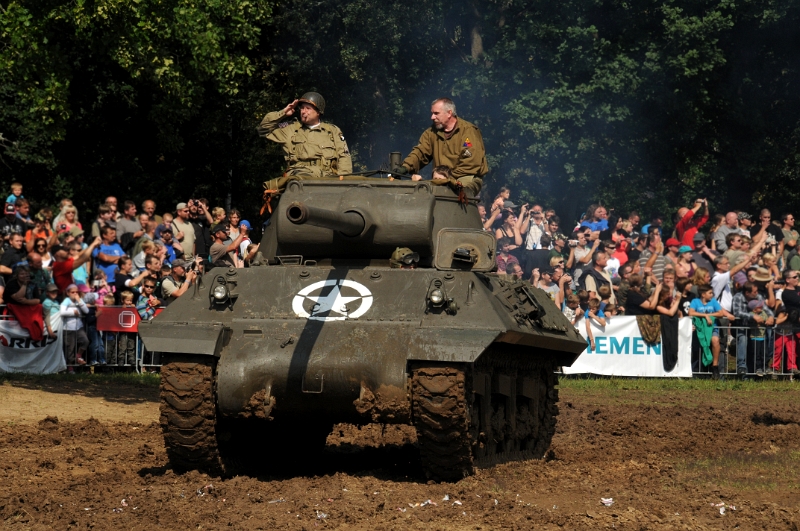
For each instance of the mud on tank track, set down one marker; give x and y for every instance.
(668, 458)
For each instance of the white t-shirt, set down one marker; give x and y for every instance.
(721, 284)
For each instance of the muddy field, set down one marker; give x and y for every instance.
(670, 459)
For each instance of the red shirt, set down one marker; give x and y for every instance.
(62, 273)
(687, 228)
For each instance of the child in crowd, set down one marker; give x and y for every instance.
(757, 344)
(165, 224)
(771, 264)
(583, 297)
(684, 287)
(504, 259)
(100, 286)
(109, 338)
(50, 307)
(92, 298)
(604, 292)
(595, 313)
(16, 193)
(572, 309)
(610, 310)
(126, 344)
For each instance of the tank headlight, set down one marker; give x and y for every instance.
(220, 293)
(436, 297)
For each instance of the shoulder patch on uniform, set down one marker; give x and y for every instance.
(467, 143)
(467, 153)
(283, 124)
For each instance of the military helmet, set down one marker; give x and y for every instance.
(403, 256)
(315, 99)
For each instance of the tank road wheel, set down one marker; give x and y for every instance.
(188, 413)
(503, 409)
(441, 416)
(517, 404)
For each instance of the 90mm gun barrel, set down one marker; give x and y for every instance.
(348, 223)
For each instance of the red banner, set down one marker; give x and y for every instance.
(117, 319)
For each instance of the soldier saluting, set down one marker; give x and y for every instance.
(312, 148)
(450, 141)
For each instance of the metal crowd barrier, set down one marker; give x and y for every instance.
(769, 349)
(105, 346)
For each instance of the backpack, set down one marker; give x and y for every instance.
(128, 242)
(599, 279)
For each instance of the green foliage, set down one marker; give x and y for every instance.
(642, 105)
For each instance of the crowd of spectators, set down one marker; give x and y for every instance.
(142, 260)
(735, 276)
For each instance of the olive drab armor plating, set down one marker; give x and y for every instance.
(326, 331)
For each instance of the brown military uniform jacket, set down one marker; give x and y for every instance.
(315, 151)
(463, 152)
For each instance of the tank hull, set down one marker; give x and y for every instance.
(337, 341)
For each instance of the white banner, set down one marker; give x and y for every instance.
(18, 353)
(620, 350)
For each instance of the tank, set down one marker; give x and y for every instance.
(326, 331)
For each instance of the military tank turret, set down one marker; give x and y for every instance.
(327, 331)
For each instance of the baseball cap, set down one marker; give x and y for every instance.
(508, 204)
(740, 277)
(219, 227)
(672, 242)
(743, 215)
(685, 249)
(246, 224)
(51, 287)
(179, 263)
(10, 208)
(180, 206)
(75, 231)
(752, 305)
(698, 237)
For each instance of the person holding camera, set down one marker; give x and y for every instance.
(183, 231)
(202, 221)
(689, 221)
(769, 233)
(220, 251)
(180, 279)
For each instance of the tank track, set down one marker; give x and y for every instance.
(510, 415)
(188, 413)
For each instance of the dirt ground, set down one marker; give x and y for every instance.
(675, 459)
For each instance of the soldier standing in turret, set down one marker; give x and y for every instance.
(312, 148)
(450, 141)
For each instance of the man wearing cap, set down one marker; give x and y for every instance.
(731, 226)
(702, 255)
(173, 248)
(689, 222)
(244, 255)
(745, 222)
(769, 233)
(178, 281)
(183, 230)
(219, 249)
(311, 147)
(10, 224)
(450, 141)
(671, 257)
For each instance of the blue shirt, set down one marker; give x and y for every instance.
(109, 268)
(596, 225)
(711, 306)
(13, 199)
